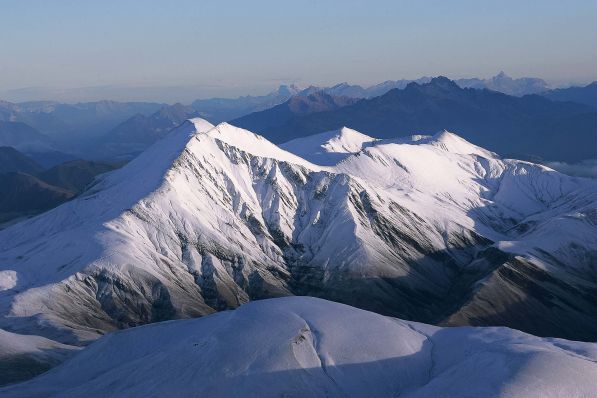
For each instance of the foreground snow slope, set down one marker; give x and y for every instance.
(25, 356)
(431, 229)
(307, 347)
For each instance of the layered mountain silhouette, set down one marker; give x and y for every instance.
(12, 160)
(76, 175)
(134, 135)
(507, 85)
(24, 194)
(27, 188)
(276, 118)
(72, 126)
(33, 143)
(583, 95)
(224, 109)
(24, 138)
(73, 130)
(514, 126)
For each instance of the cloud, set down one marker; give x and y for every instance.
(586, 168)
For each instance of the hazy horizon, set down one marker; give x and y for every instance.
(204, 49)
(189, 93)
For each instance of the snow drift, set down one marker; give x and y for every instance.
(306, 347)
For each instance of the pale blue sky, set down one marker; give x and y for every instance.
(225, 46)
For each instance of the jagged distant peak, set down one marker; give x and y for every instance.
(442, 81)
(502, 75)
(341, 85)
(288, 89)
(439, 82)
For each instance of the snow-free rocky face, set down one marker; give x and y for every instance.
(432, 229)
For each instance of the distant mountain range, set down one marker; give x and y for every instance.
(501, 82)
(119, 130)
(223, 109)
(507, 85)
(25, 195)
(24, 138)
(30, 141)
(583, 95)
(61, 120)
(514, 126)
(135, 134)
(71, 127)
(12, 160)
(279, 116)
(26, 188)
(76, 175)
(356, 91)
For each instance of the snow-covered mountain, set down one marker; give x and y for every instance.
(428, 228)
(306, 347)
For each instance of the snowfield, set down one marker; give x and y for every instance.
(307, 347)
(427, 228)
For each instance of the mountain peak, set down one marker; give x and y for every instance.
(250, 142)
(175, 113)
(201, 125)
(348, 132)
(456, 144)
(347, 140)
(442, 81)
(318, 101)
(288, 90)
(501, 78)
(330, 147)
(340, 85)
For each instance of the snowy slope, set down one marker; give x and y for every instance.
(306, 347)
(25, 356)
(428, 228)
(329, 148)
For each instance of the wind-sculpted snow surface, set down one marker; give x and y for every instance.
(432, 229)
(307, 347)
